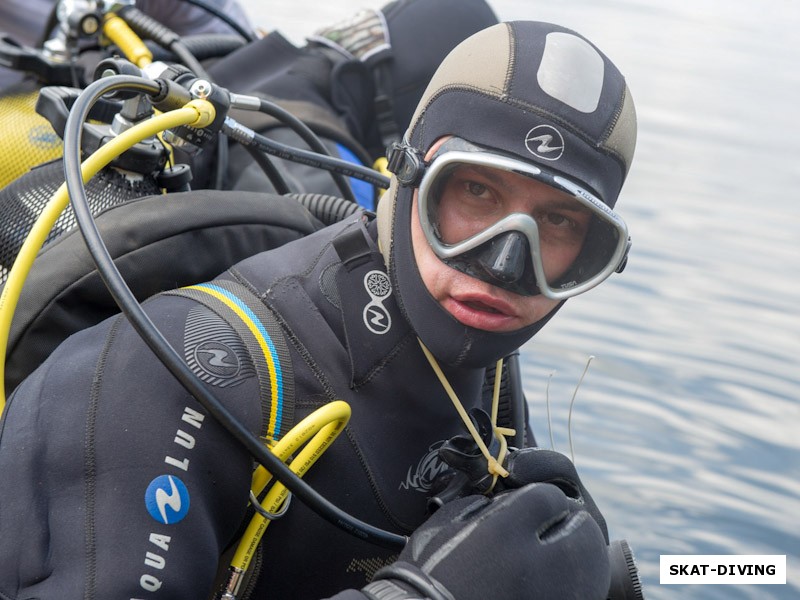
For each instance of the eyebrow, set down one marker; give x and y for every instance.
(570, 203)
(491, 175)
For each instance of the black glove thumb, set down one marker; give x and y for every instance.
(537, 465)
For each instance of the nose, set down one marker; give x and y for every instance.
(504, 257)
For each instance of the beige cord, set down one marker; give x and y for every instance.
(495, 465)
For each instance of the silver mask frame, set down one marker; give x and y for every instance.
(520, 222)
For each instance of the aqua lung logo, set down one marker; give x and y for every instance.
(217, 359)
(376, 316)
(421, 477)
(167, 499)
(545, 141)
(214, 351)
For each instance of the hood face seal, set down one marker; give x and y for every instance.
(449, 340)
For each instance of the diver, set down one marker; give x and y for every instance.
(117, 484)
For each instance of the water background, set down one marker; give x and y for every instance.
(687, 427)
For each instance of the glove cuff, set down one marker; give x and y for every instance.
(385, 589)
(404, 581)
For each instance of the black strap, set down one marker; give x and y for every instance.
(423, 584)
(263, 337)
(388, 129)
(352, 248)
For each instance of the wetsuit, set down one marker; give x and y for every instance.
(117, 484)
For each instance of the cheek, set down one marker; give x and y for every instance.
(536, 308)
(558, 260)
(429, 265)
(452, 227)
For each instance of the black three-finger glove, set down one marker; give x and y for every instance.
(528, 465)
(536, 465)
(530, 542)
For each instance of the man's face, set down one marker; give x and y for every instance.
(474, 197)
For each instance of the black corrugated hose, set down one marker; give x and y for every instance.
(328, 209)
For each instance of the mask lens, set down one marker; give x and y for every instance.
(470, 203)
(596, 254)
(464, 202)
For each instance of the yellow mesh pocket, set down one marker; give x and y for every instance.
(27, 138)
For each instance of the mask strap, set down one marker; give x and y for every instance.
(406, 163)
(495, 465)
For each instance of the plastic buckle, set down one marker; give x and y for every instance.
(406, 164)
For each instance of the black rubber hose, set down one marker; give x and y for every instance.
(130, 306)
(221, 163)
(309, 137)
(49, 26)
(146, 27)
(187, 58)
(313, 159)
(270, 170)
(203, 47)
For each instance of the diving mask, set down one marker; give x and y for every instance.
(511, 223)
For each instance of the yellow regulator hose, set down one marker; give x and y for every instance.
(321, 427)
(131, 45)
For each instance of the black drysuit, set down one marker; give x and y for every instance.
(117, 484)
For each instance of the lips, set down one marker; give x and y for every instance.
(486, 302)
(483, 307)
(481, 311)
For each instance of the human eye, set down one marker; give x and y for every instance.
(559, 220)
(560, 226)
(475, 192)
(475, 188)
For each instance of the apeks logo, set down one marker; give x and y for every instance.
(545, 142)
(421, 477)
(167, 499)
(376, 316)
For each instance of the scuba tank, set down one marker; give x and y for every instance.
(33, 112)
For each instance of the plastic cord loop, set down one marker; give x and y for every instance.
(265, 513)
(495, 464)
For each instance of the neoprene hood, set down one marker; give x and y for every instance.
(535, 91)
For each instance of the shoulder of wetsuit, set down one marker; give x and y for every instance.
(158, 243)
